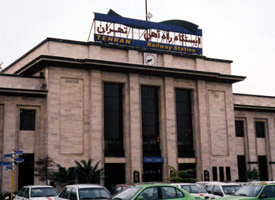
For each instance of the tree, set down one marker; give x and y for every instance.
(63, 177)
(44, 168)
(252, 175)
(87, 173)
(181, 176)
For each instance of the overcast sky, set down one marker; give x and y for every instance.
(238, 30)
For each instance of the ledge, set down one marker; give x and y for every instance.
(23, 92)
(254, 108)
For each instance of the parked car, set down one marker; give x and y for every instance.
(194, 189)
(154, 192)
(253, 192)
(83, 191)
(222, 189)
(119, 187)
(36, 192)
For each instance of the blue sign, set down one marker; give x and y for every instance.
(172, 35)
(153, 159)
(146, 44)
(6, 164)
(18, 152)
(7, 155)
(8, 167)
(19, 160)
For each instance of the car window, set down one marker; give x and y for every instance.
(268, 192)
(194, 189)
(21, 192)
(150, 193)
(230, 189)
(168, 192)
(186, 188)
(128, 193)
(73, 194)
(43, 192)
(64, 193)
(180, 194)
(209, 188)
(27, 193)
(217, 190)
(93, 193)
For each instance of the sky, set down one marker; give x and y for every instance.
(237, 30)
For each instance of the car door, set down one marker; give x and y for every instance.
(268, 193)
(167, 193)
(150, 193)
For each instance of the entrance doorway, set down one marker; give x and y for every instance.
(25, 172)
(152, 172)
(114, 174)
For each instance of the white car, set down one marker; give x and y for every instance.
(195, 190)
(37, 192)
(83, 191)
(222, 189)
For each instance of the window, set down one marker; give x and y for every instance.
(150, 193)
(215, 173)
(65, 193)
(260, 129)
(113, 120)
(209, 188)
(263, 168)
(228, 174)
(170, 193)
(73, 194)
(217, 190)
(27, 120)
(184, 124)
(239, 128)
(150, 122)
(241, 168)
(221, 173)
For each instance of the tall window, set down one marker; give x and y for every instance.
(221, 169)
(228, 174)
(241, 168)
(150, 121)
(27, 120)
(260, 129)
(263, 168)
(113, 120)
(239, 128)
(215, 173)
(184, 124)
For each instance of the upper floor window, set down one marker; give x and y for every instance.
(260, 129)
(27, 120)
(239, 128)
(184, 124)
(113, 120)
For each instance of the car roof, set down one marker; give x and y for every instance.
(39, 186)
(85, 186)
(221, 183)
(183, 184)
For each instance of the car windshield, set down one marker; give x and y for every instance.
(127, 194)
(43, 192)
(193, 188)
(93, 193)
(230, 189)
(249, 190)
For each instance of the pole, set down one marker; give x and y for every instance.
(12, 174)
(146, 16)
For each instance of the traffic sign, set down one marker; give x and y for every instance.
(18, 152)
(19, 160)
(8, 167)
(6, 164)
(7, 155)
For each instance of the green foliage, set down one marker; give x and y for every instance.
(87, 173)
(44, 168)
(181, 176)
(252, 175)
(83, 172)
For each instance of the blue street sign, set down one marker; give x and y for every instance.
(19, 160)
(6, 164)
(7, 155)
(8, 167)
(18, 152)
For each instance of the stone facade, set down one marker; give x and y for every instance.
(69, 103)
